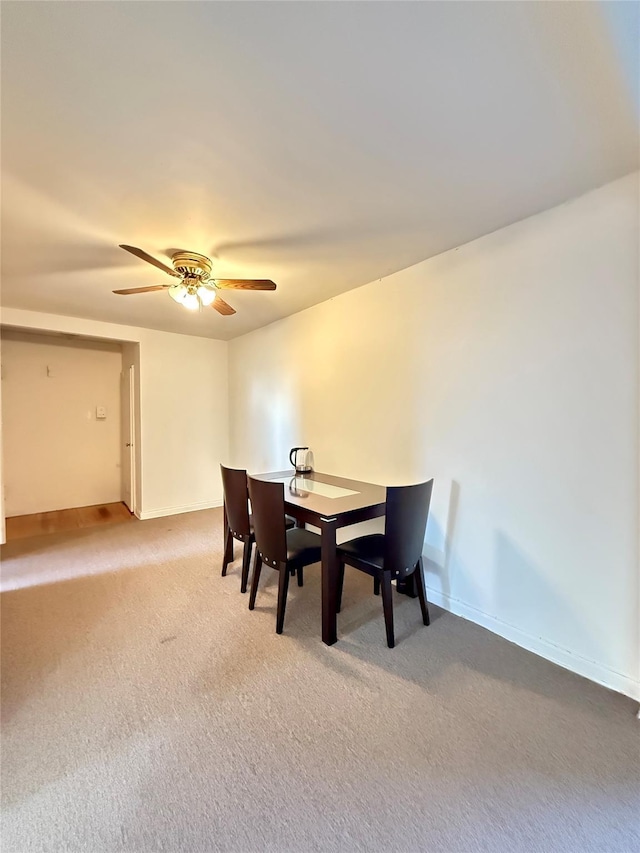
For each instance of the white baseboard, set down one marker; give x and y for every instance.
(177, 510)
(556, 654)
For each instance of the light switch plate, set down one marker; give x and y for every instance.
(101, 412)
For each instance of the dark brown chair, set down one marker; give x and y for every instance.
(286, 551)
(239, 522)
(394, 554)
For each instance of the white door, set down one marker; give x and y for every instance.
(128, 435)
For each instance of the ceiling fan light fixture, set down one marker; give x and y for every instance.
(206, 295)
(178, 292)
(191, 301)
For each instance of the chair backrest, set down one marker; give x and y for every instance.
(267, 503)
(405, 524)
(236, 499)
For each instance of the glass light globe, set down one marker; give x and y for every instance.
(191, 302)
(206, 294)
(178, 292)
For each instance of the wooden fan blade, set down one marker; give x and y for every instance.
(246, 283)
(142, 289)
(139, 253)
(221, 307)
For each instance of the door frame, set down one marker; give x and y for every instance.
(130, 431)
(129, 377)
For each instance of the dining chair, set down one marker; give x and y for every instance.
(239, 521)
(286, 551)
(395, 554)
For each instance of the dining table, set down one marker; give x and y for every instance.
(329, 503)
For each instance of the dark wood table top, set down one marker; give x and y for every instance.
(298, 492)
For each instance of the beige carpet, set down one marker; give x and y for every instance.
(146, 709)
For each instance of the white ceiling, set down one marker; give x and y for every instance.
(322, 145)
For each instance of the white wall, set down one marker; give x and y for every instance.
(183, 409)
(508, 370)
(57, 453)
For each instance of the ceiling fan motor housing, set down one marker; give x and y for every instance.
(192, 264)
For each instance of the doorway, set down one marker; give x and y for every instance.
(70, 437)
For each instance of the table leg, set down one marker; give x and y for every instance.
(329, 581)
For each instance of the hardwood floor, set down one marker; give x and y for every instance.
(23, 526)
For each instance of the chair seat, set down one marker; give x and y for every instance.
(366, 549)
(303, 546)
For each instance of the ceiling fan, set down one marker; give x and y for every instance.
(196, 286)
